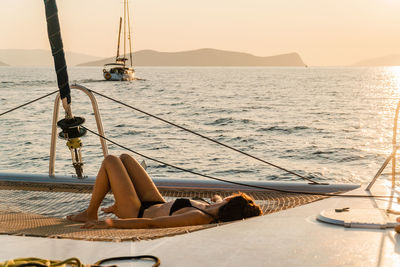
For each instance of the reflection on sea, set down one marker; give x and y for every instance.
(332, 124)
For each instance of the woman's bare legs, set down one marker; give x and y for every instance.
(112, 175)
(144, 186)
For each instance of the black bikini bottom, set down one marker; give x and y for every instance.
(146, 205)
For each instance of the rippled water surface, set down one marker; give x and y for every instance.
(331, 124)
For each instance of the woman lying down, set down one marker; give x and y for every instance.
(139, 204)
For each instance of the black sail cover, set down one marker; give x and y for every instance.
(53, 30)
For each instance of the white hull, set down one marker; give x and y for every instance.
(119, 74)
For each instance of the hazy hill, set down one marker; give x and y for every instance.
(3, 64)
(391, 60)
(20, 57)
(205, 57)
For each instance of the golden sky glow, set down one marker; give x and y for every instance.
(323, 32)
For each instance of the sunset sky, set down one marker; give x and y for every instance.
(323, 32)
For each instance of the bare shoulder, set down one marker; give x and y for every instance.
(190, 218)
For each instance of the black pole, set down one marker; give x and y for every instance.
(53, 30)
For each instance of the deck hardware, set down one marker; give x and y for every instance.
(342, 209)
(72, 131)
(70, 128)
(392, 156)
(79, 131)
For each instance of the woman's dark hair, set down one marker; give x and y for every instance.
(239, 206)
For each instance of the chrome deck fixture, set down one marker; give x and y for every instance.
(392, 156)
(55, 119)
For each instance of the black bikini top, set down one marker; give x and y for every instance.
(181, 203)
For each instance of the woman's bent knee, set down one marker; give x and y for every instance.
(125, 156)
(128, 158)
(110, 159)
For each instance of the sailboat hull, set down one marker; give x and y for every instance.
(119, 74)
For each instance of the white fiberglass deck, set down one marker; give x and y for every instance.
(288, 238)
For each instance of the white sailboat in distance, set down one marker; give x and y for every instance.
(119, 70)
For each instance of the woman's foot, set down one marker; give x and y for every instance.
(110, 209)
(82, 217)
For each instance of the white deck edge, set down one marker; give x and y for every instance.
(189, 184)
(291, 237)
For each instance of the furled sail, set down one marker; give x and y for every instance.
(53, 30)
(71, 129)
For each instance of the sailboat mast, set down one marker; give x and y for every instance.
(119, 37)
(124, 29)
(129, 34)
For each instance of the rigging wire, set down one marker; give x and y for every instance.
(175, 125)
(205, 137)
(193, 172)
(233, 182)
(27, 103)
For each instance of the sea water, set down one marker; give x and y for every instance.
(329, 124)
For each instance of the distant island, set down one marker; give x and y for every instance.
(38, 57)
(200, 57)
(390, 60)
(205, 57)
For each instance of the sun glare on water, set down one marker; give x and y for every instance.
(395, 71)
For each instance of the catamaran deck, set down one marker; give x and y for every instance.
(291, 237)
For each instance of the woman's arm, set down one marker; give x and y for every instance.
(186, 219)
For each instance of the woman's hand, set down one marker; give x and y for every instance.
(216, 198)
(110, 209)
(107, 223)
